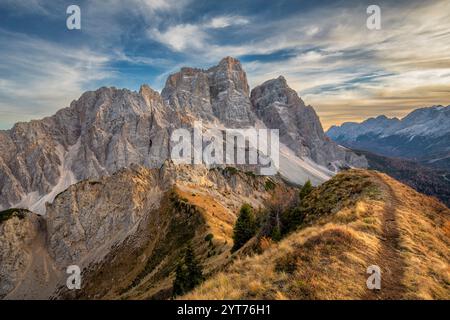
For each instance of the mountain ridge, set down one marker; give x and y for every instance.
(379, 222)
(133, 224)
(423, 135)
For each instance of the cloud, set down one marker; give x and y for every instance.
(195, 37)
(181, 37)
(326, 52)
(41, 77)
(226, 21)
(40, 7)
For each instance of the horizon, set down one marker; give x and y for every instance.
(347, 72)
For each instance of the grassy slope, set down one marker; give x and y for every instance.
(359, 218)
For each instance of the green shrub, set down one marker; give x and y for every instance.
(209, 237)
(269, 185)
(231, 170)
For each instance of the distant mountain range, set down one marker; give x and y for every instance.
(423, 136)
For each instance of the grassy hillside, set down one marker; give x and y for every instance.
(357, 219)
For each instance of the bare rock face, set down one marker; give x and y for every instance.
(100, 133)
(279, 107)
(230, 93)
(18, 239)
(94, 213)
(28, 161)
(110, 129)
(220, 93)
(188, 91)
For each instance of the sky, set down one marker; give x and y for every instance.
(324, 49)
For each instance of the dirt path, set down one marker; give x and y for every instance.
(388, 258)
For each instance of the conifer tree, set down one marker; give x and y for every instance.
(188, 273)
(180, 280)
(305, 190)
(244, 228)
(193, 268)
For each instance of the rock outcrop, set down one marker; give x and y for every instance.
(100, 133)
(220, 93)
(280, 107)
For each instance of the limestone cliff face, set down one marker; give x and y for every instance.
(220, 93)
(279, 107)
(16, 235)
(100, 133)
(110, 129)
(26, 270)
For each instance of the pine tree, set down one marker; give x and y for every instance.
(244, 228)
(297, 215)
(193, 268)
(180, 281)
(188, 273)
(306, 189)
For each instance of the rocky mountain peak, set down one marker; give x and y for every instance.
(280, 107)
(151, 97)
(275, 91)
(220, 93)
(230, 69)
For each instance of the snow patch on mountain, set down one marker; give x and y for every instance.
(36, 202)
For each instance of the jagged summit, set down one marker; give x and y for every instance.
(109, 129)
(219, 93)
(280, 107)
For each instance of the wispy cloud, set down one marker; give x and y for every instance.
(181, 37)
(226, 21)
(194, 37)
(19, 7)
(40, 77)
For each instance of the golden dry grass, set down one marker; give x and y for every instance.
(402, 231)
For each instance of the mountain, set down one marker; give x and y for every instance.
(94, 186)
(110, 129)
(355, 220)
(220, 93)
(423, 135)
(279, 107)
(427, 180)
